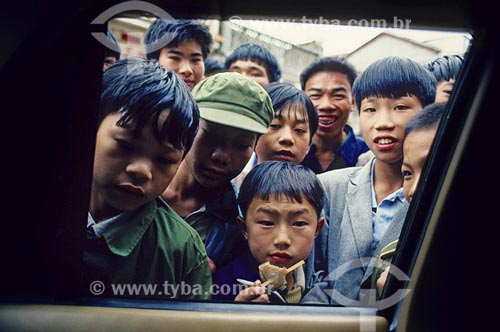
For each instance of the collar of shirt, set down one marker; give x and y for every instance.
(100, 228)
(383, 213)
(124, 231)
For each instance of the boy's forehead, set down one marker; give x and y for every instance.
(190, 43)
(420, 135)
(328, 75)
(252, 60)
(390, 98)
(294, 112)
(281, 201)
(281, 197)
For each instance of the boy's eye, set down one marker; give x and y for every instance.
(165, 161)
(300, 130)
(174, 58)
(401, 107)
(406, 173)
(265, 223)
(124, 145)
(369, 110)
(274, 126)
(209, 137)
(300, 223)
(243, 147)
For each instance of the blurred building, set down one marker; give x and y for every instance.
(129, 33)
(386, 44)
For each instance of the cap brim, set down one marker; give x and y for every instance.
(232, 119)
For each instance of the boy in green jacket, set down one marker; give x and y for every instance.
(148, 121)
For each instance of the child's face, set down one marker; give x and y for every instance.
(443, 90)
(415, 150)
(252, 70)
(186, 60)
(382, 122)
(282, 231)
(219, 153)
(330, 93)
(287, 137)
(129, 171)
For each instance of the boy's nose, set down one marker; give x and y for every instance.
(185, 68)
(323, 103)
(221, 156)
(286, 137)
(140, 169)
(282, 239)
(384, 120)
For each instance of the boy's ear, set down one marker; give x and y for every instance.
(353, 104)
(319, 226)
(243, 226)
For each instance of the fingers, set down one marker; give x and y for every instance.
(382, 279)
(212, 265)
(254, 293)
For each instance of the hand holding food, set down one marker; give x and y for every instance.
(254, 293)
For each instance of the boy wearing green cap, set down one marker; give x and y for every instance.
(234, 111)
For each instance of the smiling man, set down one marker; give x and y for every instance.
(328, 82)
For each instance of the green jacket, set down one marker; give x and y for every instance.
(153, 255)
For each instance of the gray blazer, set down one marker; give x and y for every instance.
(347, 239)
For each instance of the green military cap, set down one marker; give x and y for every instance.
(234, 100)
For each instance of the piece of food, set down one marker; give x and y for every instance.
(274, 276)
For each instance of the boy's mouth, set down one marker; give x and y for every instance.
(385, 143)
(132, 189)
(284, 155)
(189, 83)
(327, 120)
(280, 258)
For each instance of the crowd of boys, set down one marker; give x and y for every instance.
(201, 177)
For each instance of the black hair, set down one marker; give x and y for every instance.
(281, 178)
(108, 52)
(257, 53)
(446, 67)
(173, 32)
(329, 64)
(213, 66)
(395, 77)
(141, 90)
(428, 117)
(285, 95)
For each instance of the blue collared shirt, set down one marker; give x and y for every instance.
(106, 225)
(383, 213)
(346, 155)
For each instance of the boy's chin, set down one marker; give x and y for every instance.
(129, 205)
